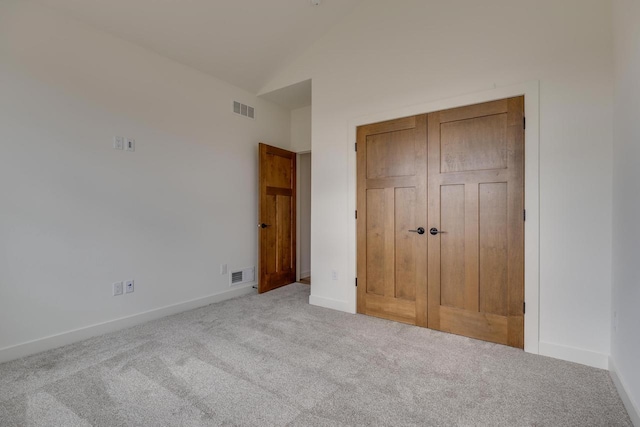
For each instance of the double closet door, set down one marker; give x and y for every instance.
(440, 220)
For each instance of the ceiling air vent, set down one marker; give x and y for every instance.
(244, 110)
(243, 276)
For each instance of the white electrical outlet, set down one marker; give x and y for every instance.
(615, 321)
(128, 286)
(334, 275)
(117, 288)
(223, 269)
(131, 144)
(118, 142)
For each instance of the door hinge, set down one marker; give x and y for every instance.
(524, 123)
(356, 282)
(524, 215)
(355, 146)
(524, 307)
(356, 214)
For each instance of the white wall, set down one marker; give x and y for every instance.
(301, 129)
(77, 215)
(625, 343)
(304, 214)
(390, 55)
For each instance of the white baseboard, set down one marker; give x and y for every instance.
(54, 341)
(573, 354)
(632, 409)
(330, 303)
(305, 274)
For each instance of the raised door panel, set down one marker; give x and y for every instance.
(474, 144)
(376, 237)
(493, 248)
(452, 255)
(406, 244)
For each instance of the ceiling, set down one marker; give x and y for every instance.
(244, 42)
(297, 95)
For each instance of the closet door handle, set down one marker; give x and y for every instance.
(420, 230)
(435, 231)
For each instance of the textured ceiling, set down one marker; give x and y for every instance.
(244, 42)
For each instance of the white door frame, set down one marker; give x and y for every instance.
(531, 92)
(298, 216)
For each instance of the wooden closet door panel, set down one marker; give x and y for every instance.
(476, 201)
(392, 201)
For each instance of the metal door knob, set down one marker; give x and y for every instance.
(263, 225)
(435, 231)
(420, 230)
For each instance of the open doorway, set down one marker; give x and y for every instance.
(297, 99)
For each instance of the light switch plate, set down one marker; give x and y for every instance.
(131, 144)
(128, 286)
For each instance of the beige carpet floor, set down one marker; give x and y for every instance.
(273, 359)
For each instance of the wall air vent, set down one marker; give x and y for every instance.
(244, 110)
(248, 275)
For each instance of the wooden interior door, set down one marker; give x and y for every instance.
(392, 207)
(277, 218)
(476, 205)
